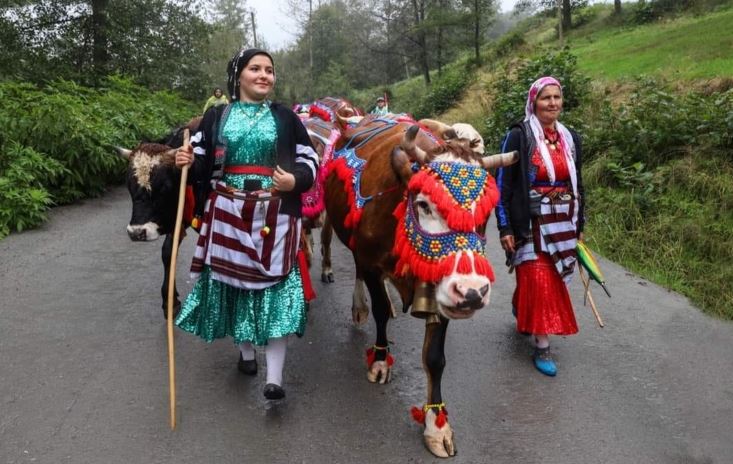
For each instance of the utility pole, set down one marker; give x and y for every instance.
(310, 34)
(559, 21)
(254, 28)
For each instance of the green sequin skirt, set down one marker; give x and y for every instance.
(214, 310)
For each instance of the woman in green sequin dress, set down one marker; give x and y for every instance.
(250, 132)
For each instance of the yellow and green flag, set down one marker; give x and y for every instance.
(586, 259)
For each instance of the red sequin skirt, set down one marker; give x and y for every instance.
(542, 300)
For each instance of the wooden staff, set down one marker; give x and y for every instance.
(586, 284)
(172, 284)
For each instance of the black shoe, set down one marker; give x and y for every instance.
(274, 392)
(247, 367)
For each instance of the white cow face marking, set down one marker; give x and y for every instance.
(143, 165)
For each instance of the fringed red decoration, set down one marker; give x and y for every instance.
(305, 277)
(370, 355)
(456, 216)
(464, 264)
(320, 113)
(442, 418)
(344, 173)
(483, 267)
(188, 205)
(417, 415)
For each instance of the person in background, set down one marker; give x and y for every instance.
(540, 218)
(218, 98)
(252, 150)
(381, 109)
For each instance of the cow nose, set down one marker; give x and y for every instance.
(137, 235)
(472, 299)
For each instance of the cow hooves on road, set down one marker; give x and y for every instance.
(438, 440)
(379, 372)
(327, 277)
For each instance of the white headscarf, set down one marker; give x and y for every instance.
(565, 139)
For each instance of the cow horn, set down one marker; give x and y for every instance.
(500, 160)
(409, 146)
(123, 152)
(440, 129)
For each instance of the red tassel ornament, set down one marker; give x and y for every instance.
(418, 415)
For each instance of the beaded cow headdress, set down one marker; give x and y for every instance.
(464, 196)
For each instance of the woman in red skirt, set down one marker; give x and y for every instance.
(540, 218)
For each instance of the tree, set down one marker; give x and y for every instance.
(617, 7)
(566, 7)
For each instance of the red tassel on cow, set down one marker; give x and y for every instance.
(308, 293)
(464, 264)
(442, 418)
(418, 415)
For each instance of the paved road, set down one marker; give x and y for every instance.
(83, 371)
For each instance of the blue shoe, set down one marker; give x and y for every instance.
(543, 361)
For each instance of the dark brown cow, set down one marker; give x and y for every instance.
(410, 232)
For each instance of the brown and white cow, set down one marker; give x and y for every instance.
(153, 182)
(428, 243)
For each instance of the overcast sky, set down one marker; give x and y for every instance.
(277, 28)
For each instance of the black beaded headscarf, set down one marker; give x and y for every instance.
(237, 64)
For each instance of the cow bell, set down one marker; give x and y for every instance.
(424, 305)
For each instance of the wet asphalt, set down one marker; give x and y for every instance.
(84, 376)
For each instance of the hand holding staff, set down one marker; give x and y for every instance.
(172, 275)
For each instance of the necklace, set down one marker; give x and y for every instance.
(250, 121)
(552, 143)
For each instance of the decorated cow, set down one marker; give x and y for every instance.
(411, 202)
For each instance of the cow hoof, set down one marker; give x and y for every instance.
(360, 315)
(327, 277)
(438, 440)
(379, 372)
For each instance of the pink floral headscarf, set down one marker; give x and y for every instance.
(566, 140)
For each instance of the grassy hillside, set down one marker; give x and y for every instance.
(685, 48)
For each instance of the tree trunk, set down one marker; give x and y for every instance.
(617, 6)
(419, 7)
(100, 57)
(566, 15)
(476, 28)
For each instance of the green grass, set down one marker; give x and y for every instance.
(687, 48)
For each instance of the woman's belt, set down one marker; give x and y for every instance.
(246, 195)
(261, 170)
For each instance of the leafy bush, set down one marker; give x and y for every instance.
(657, 125)
(445, 91)
(509, 43)
(57, 143)
(511, 91)
(24, 199)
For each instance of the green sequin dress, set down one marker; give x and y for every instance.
(214, 309)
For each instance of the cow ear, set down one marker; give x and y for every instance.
(401, 165)
(449, 134)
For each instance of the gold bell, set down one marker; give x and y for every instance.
(424, 305)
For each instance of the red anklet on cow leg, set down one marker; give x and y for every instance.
(441, 416)
(371, 355)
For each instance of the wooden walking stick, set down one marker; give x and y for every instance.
(172, 284)
(586, 284)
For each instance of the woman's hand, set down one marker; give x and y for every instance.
(184, 156)
(581, 237)
(282, 180)
(507, 243)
